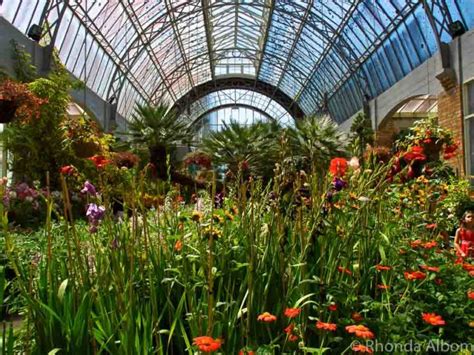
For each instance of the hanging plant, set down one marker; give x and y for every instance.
(18, 102)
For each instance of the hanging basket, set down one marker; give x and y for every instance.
(7, 110)
(85, 149)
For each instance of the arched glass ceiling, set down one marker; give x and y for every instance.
(234, 98)
(323, 54)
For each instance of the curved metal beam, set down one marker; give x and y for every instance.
(238, 83)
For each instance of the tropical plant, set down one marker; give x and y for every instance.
(251, 149)
(314, 141)
(159, 129)
(361, 135)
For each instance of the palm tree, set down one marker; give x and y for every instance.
(314, 141)
(160, 130)
(253, 146)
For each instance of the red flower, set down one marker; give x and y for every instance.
(362, 348)
(430, 268)
(246, 352)
(468, 267)
(292, 337)
(414, 275)
(415, 153)
(431, 226)
(360, 331)
(266, 317)
(416, 243)
(433, 319)
(292, 312)
(99, 161)
(383, 287)
(344, 270)
(430, 245)
(470, 295)
(357, 317)
(289, 329)
(338, 167)
(67, 170)
(332, 307)
(382, 267)
(207, 344)
(450, 151)
(326, 326)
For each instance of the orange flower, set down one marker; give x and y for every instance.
(338, 167)
(383, 287)
(362, 348)
(266, 317)
(471, 273)
(360, 331)
(382, 268)
(344, 270)
(430, 245)
(178, 245)
(246, 352)
(207, 344)
(430, 268)
(332, 307)
(357, 317)
(326, 326)
(416, 243)
(67, 170)
(292, 312)
(431, 226)
(433, 319)
(414, 275)
(468, 267)
(470, 295)
(99, 161)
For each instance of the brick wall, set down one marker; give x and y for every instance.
(385, 133)
(450, 117)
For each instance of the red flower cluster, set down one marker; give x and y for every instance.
(207, 344)
(338, 167)
(289, 331)
(433, 319)
(450, 151)
(414, 154)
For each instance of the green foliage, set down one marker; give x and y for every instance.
(25, 71)
(362, 134)
(255, 146)
(314, 141)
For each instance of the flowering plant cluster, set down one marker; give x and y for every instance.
(197, 159)
(23, 103)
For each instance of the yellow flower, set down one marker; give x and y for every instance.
(229, 216)
(217, 218)
(196, 216)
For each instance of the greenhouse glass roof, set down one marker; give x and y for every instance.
(316, 55)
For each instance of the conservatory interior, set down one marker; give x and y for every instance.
(236, 177)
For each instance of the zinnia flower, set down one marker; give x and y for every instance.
(338, 167)
(207, 344)
(292, 312)
(416, 243)
(470, 295)
(430, 245)
(383, 287)
(433, 319)
(326, 326)
(360, 331)
(414, 275)
(357, 317)
(431, 226)
(430, 268)
(362, 348)
(246, 352)
(344, 270)
(266, 317)
(332, 307)
(382, 268)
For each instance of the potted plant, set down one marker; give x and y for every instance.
(18, 102)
